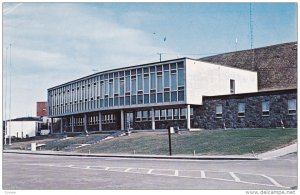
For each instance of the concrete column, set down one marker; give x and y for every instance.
(51, 125)
(153, 119)
(72, 123)
(61, 125)
(122, 120)
(188, 118)
(85, 122)
(100, 121)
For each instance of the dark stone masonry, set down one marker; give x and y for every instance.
(205, 115)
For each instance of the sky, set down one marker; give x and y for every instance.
(47, 44)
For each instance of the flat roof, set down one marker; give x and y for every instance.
(251, 94)
(118, 69)
(142, 65)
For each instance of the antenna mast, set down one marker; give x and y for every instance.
(251, 36)
(251, 27)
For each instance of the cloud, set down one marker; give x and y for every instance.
(54, 43)
(10, 9)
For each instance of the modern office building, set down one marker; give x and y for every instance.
(148, 96)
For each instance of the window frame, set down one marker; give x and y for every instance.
(241, 114)
(265, 112)
(292, 111)
(219, 114)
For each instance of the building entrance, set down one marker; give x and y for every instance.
(128, 120)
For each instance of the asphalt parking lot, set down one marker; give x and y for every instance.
(42, 172)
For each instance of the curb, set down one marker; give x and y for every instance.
(136, 156)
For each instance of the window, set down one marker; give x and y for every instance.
(111, 102)
(133, 99)
(191, 113)
(133, 85)
(106, 102)
(159, 98)
(150, 114)
(146, 85)
(121, 101)
(122, 87)
(159, 83)
(219, 111)
(127, 80)
(157, 115)
(232, 86)
(173, 82)
(111, 88)
(241, 109)
(106, 86)
(182, 113)
(163, 114)
(145, 115)
(140, 82)
(138, 115)
(175, 113)
(140, 99)
(116, 86)
(169, 114)
(166, 79)
(265, 108)
(146, 99)
(180, 77)
(127, 100)
(174, 96)
(153, 98)
(116, 101)
(153, 81)
(167, 97)
(292, 107)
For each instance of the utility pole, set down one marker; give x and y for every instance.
(5, 97)
(9, 134)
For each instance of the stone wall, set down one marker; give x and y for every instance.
(205, 116)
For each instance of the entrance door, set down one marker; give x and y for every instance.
(128, 120)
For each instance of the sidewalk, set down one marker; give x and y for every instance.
(144, 156)
(268, 155)
(279, 152)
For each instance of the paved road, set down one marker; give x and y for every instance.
(28, 172)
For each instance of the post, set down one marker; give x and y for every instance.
(188, 118)
(122, 120)
(51, 126)
(61, 125)
(100, 121)
(5, 131)
(153, 119)
(170, 144)
(72, 123)
(84, 122)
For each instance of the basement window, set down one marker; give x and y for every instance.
(265, 108)
(292, 107)
(219, 111)
(241, 110)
